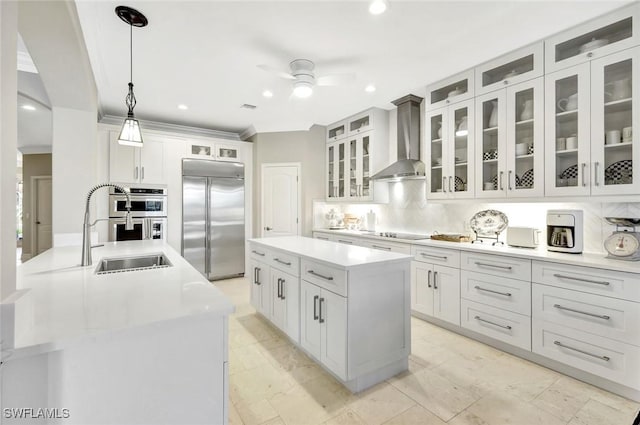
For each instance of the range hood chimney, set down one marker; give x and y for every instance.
(408, 166)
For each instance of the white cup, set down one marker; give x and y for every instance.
(612, 137)
(627, 134)
(572, 142)
(521, 148)
(488, 185)
(561, 144)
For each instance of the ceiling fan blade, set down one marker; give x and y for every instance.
(276, 71)
(336, 79)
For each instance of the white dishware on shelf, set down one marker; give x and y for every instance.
(612, 137)
(561, 143)
(572, 142)
(568, 103)
(527, 110)
(627, 134)
(619, 89)
(595, 43)
(521, 148)
(488, 185)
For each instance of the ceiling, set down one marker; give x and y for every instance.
(204, 54)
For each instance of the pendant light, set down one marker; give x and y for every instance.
(130, 134)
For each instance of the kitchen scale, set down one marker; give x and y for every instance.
(623, 244)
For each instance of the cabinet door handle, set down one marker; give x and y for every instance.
(441, 257)
(597, 356)
(320, 311)
(479, 288)
(450, 186)
(135, 173)
(315, 307)
(255, 275)
(493, 265)
(343, 241)
(429, 279)
(386, 248)
(586, 313)
(580, 279)
(282, 262)
(278, 289)
(509, 179)
(501, 174)
(282, 297)
(595, 173)
(258, 253)
(319, 275)
(444, 184)
(142, 173)
(584, 172)
(435, 280)
(492, 323)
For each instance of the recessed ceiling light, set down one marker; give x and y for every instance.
(267, 93)
(29, 107)
(376, 7)
(370, 88)
(183, 107)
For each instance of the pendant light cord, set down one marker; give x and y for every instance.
(130, 100)
(131, 53)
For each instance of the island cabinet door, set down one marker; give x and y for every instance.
(446, 290)
(310, 318)
(260, 288)
(422, 288)
(333, 340)
(278, 306)
(285, 303)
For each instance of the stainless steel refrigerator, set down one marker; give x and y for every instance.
(213, 217)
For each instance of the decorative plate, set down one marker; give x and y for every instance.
(615, 172)
(459, 185)
(489, 222)
(526, 181)
(570, 173)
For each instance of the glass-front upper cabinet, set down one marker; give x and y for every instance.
(336, 167)
(449, 154)
(614, 116)
(454, 89)
(513, 68)
(567, 131)
(594, 39)
(359, 167)
(337, 131)
(490, 152)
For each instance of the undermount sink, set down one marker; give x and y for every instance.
(128, 264)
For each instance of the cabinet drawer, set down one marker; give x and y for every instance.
(347, 240)
(259, 253)
(505, 326)
(588, 279)
(390, 247)
(322, 236)
(497, 265)
(600, 356)
(285, 262)
(604, 316)
(502, 292)
(445, 257)
(330, 278)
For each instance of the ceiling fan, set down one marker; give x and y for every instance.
(304, 78)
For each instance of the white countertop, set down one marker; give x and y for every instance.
(340, 255)
(60, 303)
(540, 253)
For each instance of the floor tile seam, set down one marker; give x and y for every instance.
(415, 403)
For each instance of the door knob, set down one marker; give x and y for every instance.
(37, 222)
(268, 228)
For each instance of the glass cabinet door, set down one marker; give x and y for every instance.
(567, 108)
(459, 143)
(614, 115)
(490, 145)
(332, 184)
(353, 169)
(365, 175)
(525, 139)
(436, 132)
(341, 169)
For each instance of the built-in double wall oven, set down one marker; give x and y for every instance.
(148, 211)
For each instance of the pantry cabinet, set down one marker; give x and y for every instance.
(450, 151)
(128, 164)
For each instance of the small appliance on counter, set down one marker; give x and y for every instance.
(335, 220)
(623, 244)
(523, 237)
(564, 231)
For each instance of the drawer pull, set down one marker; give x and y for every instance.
(258, 253)
(281, 262)
(559, 344)
(381, 247)
(580, 279)
(493, 265)
(319, 275)
(343, 241)
(479, 288)
(322, 238)
(586, 313)
(440, 257)
(493, 323)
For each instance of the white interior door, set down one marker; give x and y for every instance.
(43, 215)
(280, 200)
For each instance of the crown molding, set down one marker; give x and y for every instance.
(174, 128)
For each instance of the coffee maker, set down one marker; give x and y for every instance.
(564, 231)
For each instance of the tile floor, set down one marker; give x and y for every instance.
(451, 380)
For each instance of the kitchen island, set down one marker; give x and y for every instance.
(347, 307)
(143, 346)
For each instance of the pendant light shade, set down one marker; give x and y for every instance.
(130, 134)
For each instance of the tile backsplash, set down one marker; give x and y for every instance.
(409, 211)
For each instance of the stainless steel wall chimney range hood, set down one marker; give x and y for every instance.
(408, 166)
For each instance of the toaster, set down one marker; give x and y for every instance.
(524, 237)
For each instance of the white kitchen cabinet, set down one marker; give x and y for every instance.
(218, 151)
(260, 293)
(310, 329)
(502, 325)
(510, 141)
(513, 68)
(336, 170)
(454, 89)
(285, 302)
(450, 151)
(332, 316)
(593, 39)
(337, 131)
(128, 164)
(436, 291)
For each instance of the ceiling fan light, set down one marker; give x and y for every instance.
(302, 89)
(130, 134)
(377, 7)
